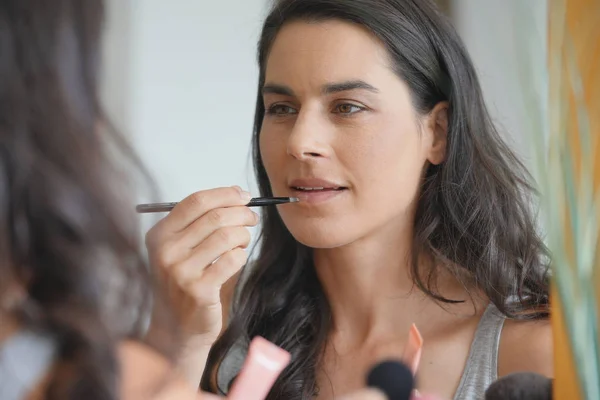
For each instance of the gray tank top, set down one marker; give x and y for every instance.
(480, 370)
(24, 360)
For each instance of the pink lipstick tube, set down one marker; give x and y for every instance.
(262, 366)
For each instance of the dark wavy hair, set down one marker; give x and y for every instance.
(68, 236)
(474, 214)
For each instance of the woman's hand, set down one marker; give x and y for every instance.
(197, 248)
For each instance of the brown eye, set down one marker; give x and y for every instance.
(348, 109)
(281, 109)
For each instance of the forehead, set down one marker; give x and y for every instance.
(326, 51)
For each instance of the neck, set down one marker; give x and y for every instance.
(370, 288)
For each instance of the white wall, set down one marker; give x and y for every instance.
(493, 32)
(194, 87)
(181, 81)
(116, 87)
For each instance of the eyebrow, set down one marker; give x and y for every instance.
(273, 88)
(347, 86)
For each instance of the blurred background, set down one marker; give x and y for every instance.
(181, 81)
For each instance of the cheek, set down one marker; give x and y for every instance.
(390, 159)
(387, 173)
(273, 153)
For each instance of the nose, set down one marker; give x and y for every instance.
(309, 137)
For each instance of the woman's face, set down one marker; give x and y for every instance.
(340, 133)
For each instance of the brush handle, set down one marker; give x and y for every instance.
(255, 202)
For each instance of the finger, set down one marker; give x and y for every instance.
(365, 394)
(179, 246)
(168, 254)
(216, 245)
(196, 205)
(217, 218)
(217, 274)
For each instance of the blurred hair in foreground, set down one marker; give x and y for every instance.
(71, 268)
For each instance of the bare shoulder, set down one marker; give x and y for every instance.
(145, 374)
(526, 346)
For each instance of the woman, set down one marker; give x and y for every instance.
(73, 283)
(412, 210)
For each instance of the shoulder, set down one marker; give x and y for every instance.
(526, 346)
(146, 374)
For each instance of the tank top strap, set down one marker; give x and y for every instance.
(481, 368)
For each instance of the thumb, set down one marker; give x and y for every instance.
(364, 394)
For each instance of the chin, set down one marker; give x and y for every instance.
(320, 233)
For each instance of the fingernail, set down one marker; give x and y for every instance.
(246, 195)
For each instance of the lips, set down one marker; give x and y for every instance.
(315, 185)
(316, 191)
